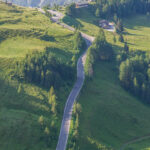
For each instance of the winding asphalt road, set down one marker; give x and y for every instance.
(65, 125)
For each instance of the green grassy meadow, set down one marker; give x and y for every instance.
(26, 33)
(22, 31)
(110, 115)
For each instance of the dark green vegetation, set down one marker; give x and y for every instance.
(74, 129)
(71, 10)
(45, 70)
(121, 8)
(100, 50)
(135, 74)
(79, 42)
(35, 55)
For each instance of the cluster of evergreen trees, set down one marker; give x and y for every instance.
(135, 74)
(52, 101)
(73, 143)
(113, 8)
(49, 130)
(121, 8)
(43, 69)
(100, 50)
(79, 42)
(71, 10)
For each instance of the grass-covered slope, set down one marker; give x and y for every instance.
(136, 31)
(22, 31)
(110, 115)
(32, 27)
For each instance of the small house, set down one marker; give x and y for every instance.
(81, 5)
(9, 3)
(91, 1)
(104, 24)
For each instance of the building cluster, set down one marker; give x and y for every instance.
(83, 4)
(106, 24)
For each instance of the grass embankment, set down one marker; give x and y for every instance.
(110, 115)
(24, 30)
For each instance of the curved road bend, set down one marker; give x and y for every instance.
(65, 125)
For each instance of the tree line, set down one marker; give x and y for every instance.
(121, 8)
(134, 74)
(73, 141)
(107, 8)
(44, 69)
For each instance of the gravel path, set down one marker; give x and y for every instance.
(135, 141)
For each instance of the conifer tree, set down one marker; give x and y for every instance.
(41, 120)
(79, 42)
(54, 105)
(52, 100)
(97, 13)
(114, 39)
(77, 121)
(19, 88)
(121, 38)
(119, 27)
(46, 131)
(126, 47)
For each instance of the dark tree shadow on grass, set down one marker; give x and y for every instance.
(72, 22)
(11, 99)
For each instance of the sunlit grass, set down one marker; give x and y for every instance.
(19, 111)
(136, 32)
(19, 46)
